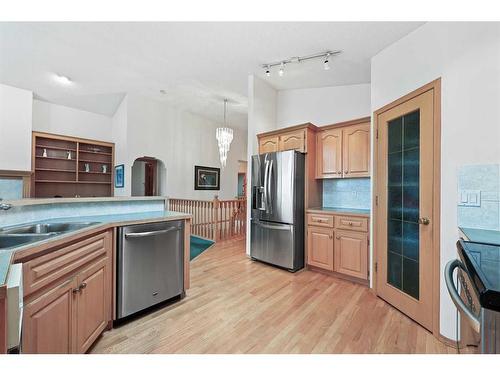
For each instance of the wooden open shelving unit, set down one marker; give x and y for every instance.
(61, 172)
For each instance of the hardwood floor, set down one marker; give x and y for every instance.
(236, 305)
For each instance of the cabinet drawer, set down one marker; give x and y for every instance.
(320, 220)
(47, 268)
(359, 224)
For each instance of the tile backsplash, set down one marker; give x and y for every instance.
(478, 196)
(347, 193)
(11, 188)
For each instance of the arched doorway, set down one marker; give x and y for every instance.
(148, 177)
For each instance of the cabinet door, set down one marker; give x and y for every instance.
(356, 145)
(49, 323)
(320, 247)
(268, 144)
(93, 309)
(293, 141)
(351, 253)
(329, 154)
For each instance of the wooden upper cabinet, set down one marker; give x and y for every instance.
(356, 155)
(343, 150)
(351, 254)
(268, 144)
(295, 140)
(329, 154)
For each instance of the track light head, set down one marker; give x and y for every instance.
(268, 72)
(282, 69)
(326, 63)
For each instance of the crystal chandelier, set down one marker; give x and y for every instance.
(224, 138)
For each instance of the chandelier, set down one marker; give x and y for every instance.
(224, 137)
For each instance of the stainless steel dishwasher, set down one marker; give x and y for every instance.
(150, 265)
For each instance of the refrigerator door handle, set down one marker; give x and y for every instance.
(266, 182)
(286, 227)
(269, 180)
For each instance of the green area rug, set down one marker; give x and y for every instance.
(198, 245)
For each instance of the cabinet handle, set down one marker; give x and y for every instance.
(338, 237)
(330, 236)
(350, 223)
(76, 290)
(346, 172)
(83, 285)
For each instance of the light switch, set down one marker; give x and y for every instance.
(470, 198)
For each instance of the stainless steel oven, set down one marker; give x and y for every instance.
(479, 320)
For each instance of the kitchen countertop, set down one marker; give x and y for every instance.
(103, 222)
(340, 210)
(491, 237)
(40, 201)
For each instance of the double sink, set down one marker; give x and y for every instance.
(25, 234)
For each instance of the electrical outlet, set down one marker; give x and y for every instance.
(469, 198)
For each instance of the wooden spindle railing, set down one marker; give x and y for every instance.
(216, 219)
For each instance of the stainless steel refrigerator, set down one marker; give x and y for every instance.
(277, 221)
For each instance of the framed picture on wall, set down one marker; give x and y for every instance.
(206, 178)
(120, 176)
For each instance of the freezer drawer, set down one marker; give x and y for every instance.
(150, 265)
(276, 244)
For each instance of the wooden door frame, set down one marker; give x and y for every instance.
(436, 235)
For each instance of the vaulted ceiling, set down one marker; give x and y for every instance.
(196, 64)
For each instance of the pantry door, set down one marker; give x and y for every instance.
(406, 192)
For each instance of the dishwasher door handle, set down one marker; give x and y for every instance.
(152, 233)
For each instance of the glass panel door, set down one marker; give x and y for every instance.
(403, 203)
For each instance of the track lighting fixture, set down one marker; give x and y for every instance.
(326, 62)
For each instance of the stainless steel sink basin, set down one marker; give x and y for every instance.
(13, 240)
(25, 234)
(45, 228)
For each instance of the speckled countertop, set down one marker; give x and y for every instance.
(102, 221)
(490, 237)
(340, 210)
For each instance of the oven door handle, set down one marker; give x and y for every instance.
(455, 297)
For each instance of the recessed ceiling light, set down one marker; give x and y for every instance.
(63, 80)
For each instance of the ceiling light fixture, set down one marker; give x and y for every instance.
(282, 69)
(224, 137)
(298, 59)
(63, 80)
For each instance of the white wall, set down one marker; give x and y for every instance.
(322, 106)
(467, 58)
(181, 140)
(119, 135)
(15, 128)
(59, 119)
(262, 104)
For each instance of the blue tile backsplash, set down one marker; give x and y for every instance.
(347, 193)
(486, 180)
(11, 188)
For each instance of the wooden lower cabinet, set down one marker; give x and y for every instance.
(48, 326)
(320, 247)
(93, 304)
(351, 253)
(67, 316)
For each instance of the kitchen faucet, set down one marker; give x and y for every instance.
(4, 206)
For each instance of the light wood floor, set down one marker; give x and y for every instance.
(236, 305)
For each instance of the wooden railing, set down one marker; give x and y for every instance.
(216, 219)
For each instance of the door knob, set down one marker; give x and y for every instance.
(424, 221)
